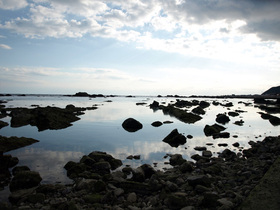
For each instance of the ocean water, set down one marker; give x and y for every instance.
(101, 130)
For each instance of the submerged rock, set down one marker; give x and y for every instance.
(132, 125)
(175, 139)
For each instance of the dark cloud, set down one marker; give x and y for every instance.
(262, 17)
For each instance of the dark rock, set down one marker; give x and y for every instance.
(222, 118)
(132, 125)
(127, 170)
(182, 103)
(130, 157)
(176, 159)
(236, 144)
(74, 169)
(186, 167)
(102, 167)
(156, 123)
(148, 170)
(239, 122)
(199, 180)
(19, 169)
(141, 103)
(228, 155)
(197, 157)
(175, 139)
(228, 104)
(98, 156)
(25, 180)
(233, 114)
(82, 94)
(36, 198)
(222, 144)
(22, 194)
(167, 122)
(189, 136)
(154, 105)
(180, 114)
(45, 118)
(210, 200)
(210, 130)
(136, 157)
(200, 148)
(137, 187)
(11, 143)
(87, 161)
(221, 135)
(204, 104)
(274, 120)
(138, 175)
(198, 110)
(207, 153)
(3, 124)
(176, 200)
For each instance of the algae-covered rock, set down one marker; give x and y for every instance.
(25, 180)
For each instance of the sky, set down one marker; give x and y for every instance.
(139, 47)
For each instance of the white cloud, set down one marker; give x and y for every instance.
(13, 4)
(6, 47)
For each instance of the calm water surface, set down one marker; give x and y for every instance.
(101, 130)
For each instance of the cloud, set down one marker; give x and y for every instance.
(13, 4)
(113, 18)
(6, 47)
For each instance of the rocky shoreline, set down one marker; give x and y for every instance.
(99, 182)
(102, 182)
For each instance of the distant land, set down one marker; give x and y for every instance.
(272, 91)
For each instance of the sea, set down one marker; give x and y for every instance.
(101, 130)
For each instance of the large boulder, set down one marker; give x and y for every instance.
(132, 125)
(175, 139)
(25, 180)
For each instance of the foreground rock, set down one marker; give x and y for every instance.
(222, 182)
(132, 125)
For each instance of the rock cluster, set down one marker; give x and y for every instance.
(211, 183)
(44, 118)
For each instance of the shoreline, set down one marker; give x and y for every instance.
(224, 182)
